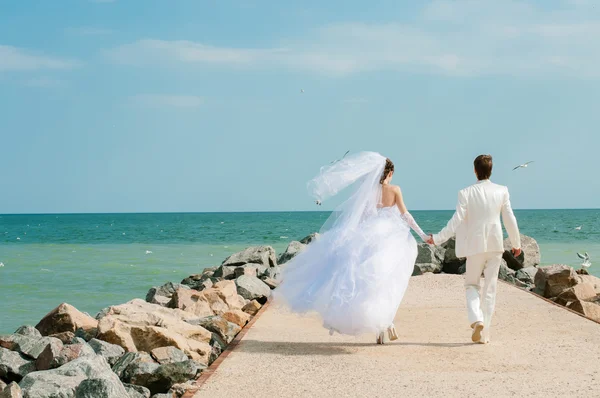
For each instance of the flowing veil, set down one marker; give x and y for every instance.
(366, 168)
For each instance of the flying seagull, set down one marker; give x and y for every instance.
(337, 160)
(522, 166)
(1, 264)
(301, 90)
(318, 202)
(579, 228)
(586, 260)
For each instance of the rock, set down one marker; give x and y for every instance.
(66, 318)
(529, 258)
(238, 317)
(310, 238)
(527, 275)
(430, 258)
(224, 329)
(2, 385)
(85, 335)
(590, 310)
(595, 281)
(11, 391)
(293, 249)
(423, 268)
(161, 295)
(141, 326)
(252, 307)
(47, 358)
(110, 352)
(200, 281)
(553, 280)
(273, 273)
(264, 255)
(162, 396)
(246, 269)
(462, 269)
(71, 352)
(451, 263)
(137, 391)
(506, 274)
(173, 373)
(65, 337)
(226, 272)
(179, 390)
(191, 301)
(222, 297)
(101, 388)
(64, 381)
(31, 347)
(130, 358)
(29, 331)
(579, 292)
(252, 288)
(164, 355)
(272, 283)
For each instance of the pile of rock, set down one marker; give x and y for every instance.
(519, 271)
(143, 348)
(561, 284)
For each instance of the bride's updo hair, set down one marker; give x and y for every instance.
(389, 167)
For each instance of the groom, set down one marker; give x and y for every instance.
(479, 238)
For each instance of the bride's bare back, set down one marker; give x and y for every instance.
(391, 195)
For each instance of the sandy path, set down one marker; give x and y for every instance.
(537, 349)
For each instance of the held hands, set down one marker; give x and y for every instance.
(430, 240)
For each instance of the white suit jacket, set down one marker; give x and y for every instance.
(476, 222)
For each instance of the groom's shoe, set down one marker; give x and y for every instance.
(477, 329)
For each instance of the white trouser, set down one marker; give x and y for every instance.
(481, 308)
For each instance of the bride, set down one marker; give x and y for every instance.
(356, 273)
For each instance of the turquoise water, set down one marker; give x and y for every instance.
(96, 260)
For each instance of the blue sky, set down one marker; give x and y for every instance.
(148, 105)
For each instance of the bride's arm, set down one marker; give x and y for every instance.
(406, 216)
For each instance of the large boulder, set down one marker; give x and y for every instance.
(238, 317)
(552, 280)
(579, 292)
(141, 326)
(527, 275)
(225, 272)
(530, 256)
(506, 274)
(264, 255)
(13, 367)
(293, 249)
(161, 295)
(201, 281)
(310, 238)
(129, 363)
(224, 329)
(31, 347)
(66, 380)
(159, 378)
(451, 264)
(29, 331)
(218, 299)
(164, 355)
(47, 358)
(11, 391)
(66, 318)
(110, 352)
(593, 280)
(137, 391)
(252, 288)
(588, 309)
(191, 301)
(273, 273)
(252, 307)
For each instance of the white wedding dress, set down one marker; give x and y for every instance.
(356, 273)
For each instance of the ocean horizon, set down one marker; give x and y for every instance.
(93, 260)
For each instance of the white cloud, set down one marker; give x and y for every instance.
(460, 37)
(17, 59)
(167, 101)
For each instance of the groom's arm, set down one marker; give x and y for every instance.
(459, 215)
(510, 222)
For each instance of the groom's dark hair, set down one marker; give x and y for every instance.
(483, 166)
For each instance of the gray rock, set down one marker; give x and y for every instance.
(162, 396)
(137, 391)
(527, 275)
(120, 367)
(201, 281)
(110, 352)
(252, 288)
(48, 358)
(310, 238)
(29, 331)
(246, 269)
(86, 335)
(506, 274)
(13, 390)
(462, 269)
(293, 249)
(423, 268)
(224, 329)
(433, 256)
(161, 295)
(31, 347)
(273, 273)
(272, 283)
(101, 388)
(64, 381)
(264, 255)
(65, 337)
(530, 257)
(164, 355)
(13, 367)
(225, 272)
(451, 263)
(173, 373)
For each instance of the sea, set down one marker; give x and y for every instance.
(93, 261)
